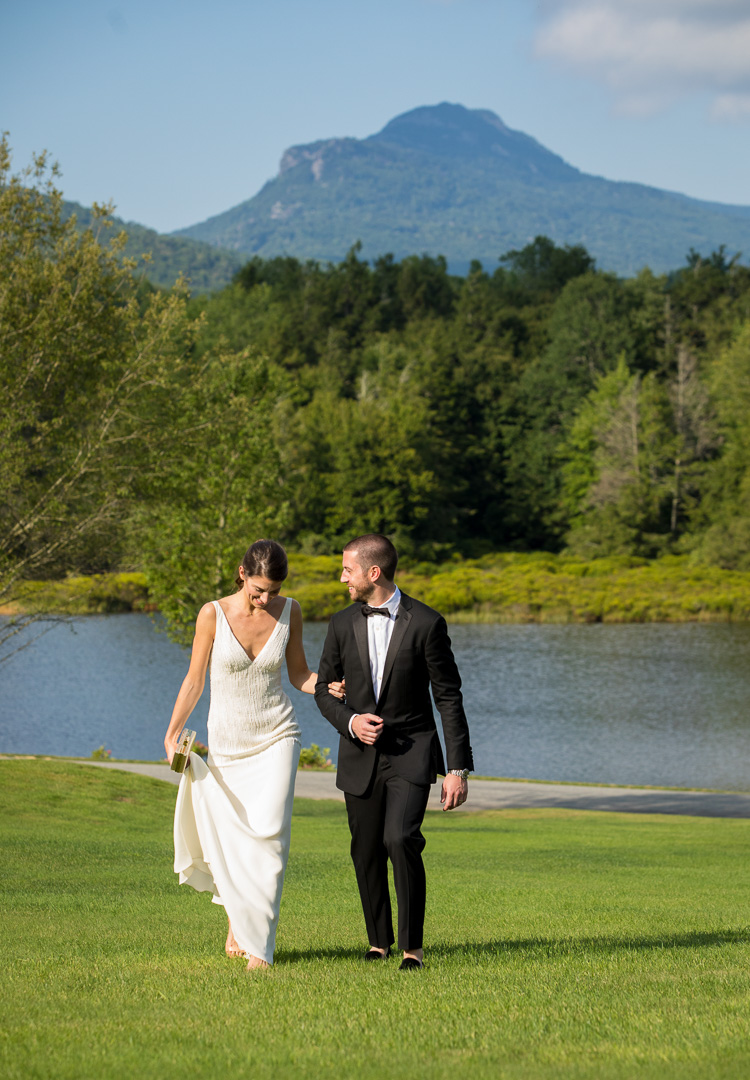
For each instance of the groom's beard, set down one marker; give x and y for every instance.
(363, 594)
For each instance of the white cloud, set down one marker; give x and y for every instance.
(731, 107)
(651, 52)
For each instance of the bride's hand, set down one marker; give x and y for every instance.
(338, 689)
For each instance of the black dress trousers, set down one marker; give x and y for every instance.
(386, 823)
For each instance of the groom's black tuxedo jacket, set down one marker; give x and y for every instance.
(419, 656)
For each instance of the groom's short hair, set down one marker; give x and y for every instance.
(373, 549)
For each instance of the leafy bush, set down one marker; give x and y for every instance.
(312, 757)
(100, 754)
(97, 594)
(505, 587)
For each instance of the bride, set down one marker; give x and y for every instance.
(233, 815)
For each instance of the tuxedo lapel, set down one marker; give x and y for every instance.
(360, 636)
(397, 637)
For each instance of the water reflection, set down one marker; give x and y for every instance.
(652, 704)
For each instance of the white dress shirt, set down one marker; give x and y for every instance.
(379, 633)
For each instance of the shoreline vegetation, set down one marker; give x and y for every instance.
(497, 588)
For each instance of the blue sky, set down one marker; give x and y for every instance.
(179, 110)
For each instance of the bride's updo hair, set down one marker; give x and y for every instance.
(267, 559)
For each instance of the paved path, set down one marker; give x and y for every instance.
(504, 794)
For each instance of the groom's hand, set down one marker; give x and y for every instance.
(367, 727)
(455, 792)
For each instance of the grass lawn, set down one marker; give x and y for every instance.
(561, 944)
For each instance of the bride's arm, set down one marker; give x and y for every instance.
(194, 681)
(300, 675)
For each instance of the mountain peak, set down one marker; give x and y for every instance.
(448, 130)
(432, 125)
(444, 179)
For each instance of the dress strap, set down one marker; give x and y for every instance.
(222, 622)
(286, 614)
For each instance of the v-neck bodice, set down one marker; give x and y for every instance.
(249, 710)
(283, 621)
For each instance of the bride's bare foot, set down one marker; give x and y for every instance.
(254, 962)
(232, 948)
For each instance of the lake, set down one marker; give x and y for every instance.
(634, 704)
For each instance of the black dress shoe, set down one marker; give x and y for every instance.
(375, 954)
(410, 963)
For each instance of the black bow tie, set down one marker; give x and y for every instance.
(367, 610)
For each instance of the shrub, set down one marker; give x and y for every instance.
(312, 757)
(506, 587)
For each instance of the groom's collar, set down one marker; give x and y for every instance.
(393, 602)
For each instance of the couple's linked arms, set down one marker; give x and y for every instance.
(366, 727)
(299, 673)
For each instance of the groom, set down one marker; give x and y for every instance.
(391, 649)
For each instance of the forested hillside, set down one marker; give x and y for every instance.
(205, 267)
(542, 405)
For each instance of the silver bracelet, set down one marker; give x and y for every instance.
(463, 773)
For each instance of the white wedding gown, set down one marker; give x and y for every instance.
(233, 816)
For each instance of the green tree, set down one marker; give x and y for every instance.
(725, 511)
(616, 472)
(88, 366)
(709, 297)
(362, 464)
(696, 437)
(589, 328)
(218, 489)
(424, 287)
(542, 269)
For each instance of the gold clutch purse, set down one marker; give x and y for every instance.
(184, 746)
